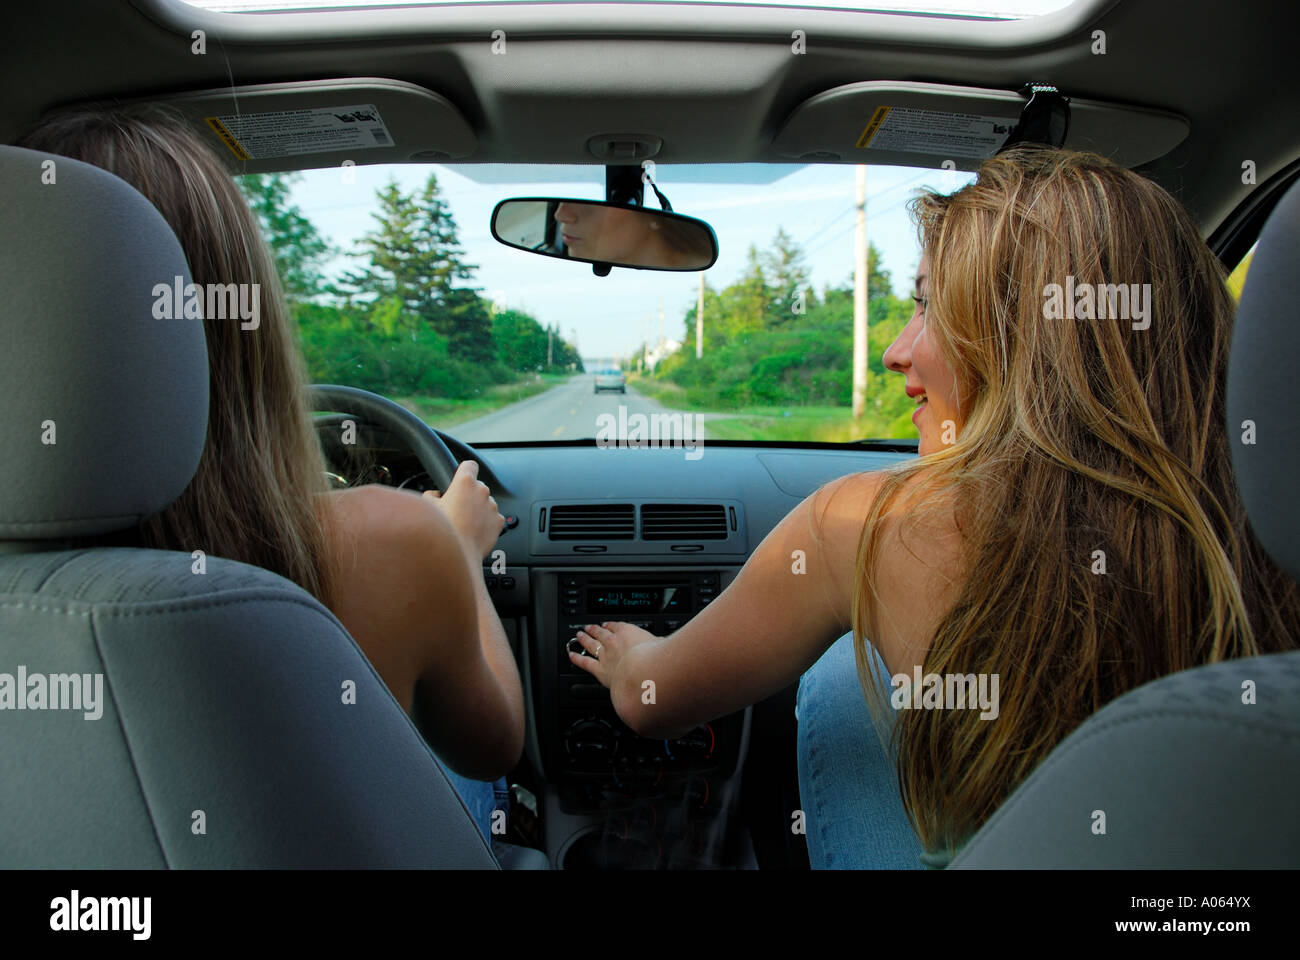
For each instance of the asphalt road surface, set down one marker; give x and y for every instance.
(570, 411)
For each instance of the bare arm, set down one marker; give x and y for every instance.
(409, 594)
(499, 659)
(472, 514)
(789, 603)
(473, 693)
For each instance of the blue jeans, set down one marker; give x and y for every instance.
(482, 797)
(848, 783)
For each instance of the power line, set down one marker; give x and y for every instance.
(827, 243)
(906, 183)
(847, 210)
(839, 216)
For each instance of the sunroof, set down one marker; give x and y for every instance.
(991, 9)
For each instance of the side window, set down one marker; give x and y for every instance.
(1237, 278)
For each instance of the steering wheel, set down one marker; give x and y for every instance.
(422, 440)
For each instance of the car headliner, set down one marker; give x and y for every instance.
(714, 83)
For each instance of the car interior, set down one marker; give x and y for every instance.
(212, 684)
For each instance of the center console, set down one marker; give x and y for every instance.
(625, 800)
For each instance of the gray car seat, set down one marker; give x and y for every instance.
(1186, 773)
(225, 732)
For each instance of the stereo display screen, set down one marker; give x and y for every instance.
(622, 599)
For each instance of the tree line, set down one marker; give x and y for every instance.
(771, 340)
(406, 322)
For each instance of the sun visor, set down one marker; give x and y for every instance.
(934, 125)
(323, 123)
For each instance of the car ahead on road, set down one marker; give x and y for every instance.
(609, 380)
(429, 119)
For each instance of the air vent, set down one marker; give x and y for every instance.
(683, 521)
(593, 521)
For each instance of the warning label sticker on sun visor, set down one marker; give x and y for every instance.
(290, 133)
(906, 130)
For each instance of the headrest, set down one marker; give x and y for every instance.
(105, 408)
(1262, 383)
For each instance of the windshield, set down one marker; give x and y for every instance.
(398, 287)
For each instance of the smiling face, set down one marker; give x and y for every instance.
(610, 234)
(928, 378)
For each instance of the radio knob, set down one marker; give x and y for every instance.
(591, 739)
(696, 745)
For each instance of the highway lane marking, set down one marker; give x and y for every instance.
(558, 431)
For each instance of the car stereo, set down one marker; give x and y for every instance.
(581, 737)
(655, 603)
(657, 600)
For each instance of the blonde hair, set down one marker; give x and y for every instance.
(252, 496)
(1077, 436)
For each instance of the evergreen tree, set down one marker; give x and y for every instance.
(467, 326)
(298, 247)
(746, 304)
(879, 283)
(788, 274)
(522, 343)
(520, 340)
(414, 256)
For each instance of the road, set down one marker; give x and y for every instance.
(570, 411)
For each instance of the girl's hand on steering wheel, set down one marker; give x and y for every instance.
(470, 507)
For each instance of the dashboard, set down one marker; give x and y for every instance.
(641, 535)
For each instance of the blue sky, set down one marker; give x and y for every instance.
(814, 203)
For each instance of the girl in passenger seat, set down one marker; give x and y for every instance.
(402, 573)
(1071, 530)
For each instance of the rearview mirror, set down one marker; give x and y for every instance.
(615, 233)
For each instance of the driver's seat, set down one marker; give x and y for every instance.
(224, 733)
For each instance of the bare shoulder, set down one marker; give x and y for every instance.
(840, 508)
(364, 520)
(849, 496)
(388, 551)
(392, 539)
(376, 505)
(838, 512)
(915, 505)
(921, 566)
(914, 571)
(397, 570)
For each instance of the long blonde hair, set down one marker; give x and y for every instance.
(1078, 436)
(252, 498)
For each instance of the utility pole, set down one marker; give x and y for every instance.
(860, 300)
(550, 335)
(660, 342)
(699, 321)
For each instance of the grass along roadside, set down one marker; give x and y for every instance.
(816, 424)
(442, 413)
(822, 424)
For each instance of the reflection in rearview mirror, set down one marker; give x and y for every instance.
(613, 233)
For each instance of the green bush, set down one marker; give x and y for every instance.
(390, 357)
(759, 354)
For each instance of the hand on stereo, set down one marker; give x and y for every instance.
(608, 645)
